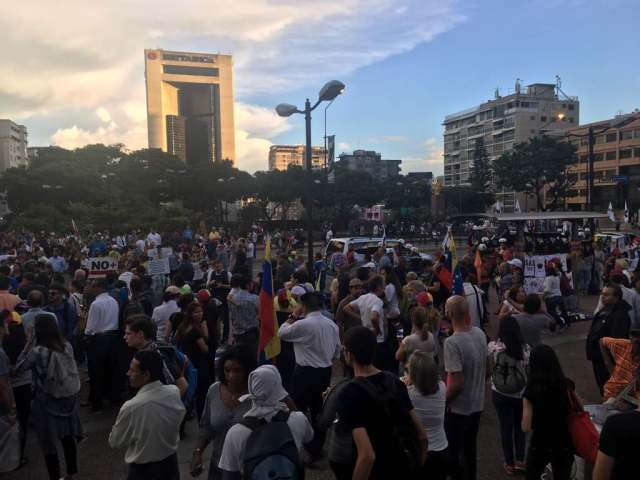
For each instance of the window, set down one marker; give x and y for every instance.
(625, 154)
(611, 155)
(611, 137)
(626, 135)
(598, 157)
(571, 106)
(636, 152)
(543, 119)
(636, 133)
(570, 119)
(599, 139)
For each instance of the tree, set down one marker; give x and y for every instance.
(481, 175)
(537, 166)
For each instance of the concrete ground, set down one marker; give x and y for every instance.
(99, 462)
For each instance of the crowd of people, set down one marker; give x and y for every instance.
(384, 363)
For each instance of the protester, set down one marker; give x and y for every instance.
(618, 449)
(508, 360)
(379, 454)
(421, 339)
(316, 343)
(622, 358)
(148, 425)
(553, 297)
(243, 313)
(611, 321)
(56, 383)
(10, 452)
(8, 300)
(103, 340)
(266, 395)
(428, 394)
(532, 321)
(546, 414)
(465, 358)
(65, 312)
(344, 321)
(223, 407)
(162, 313)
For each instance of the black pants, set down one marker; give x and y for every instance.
(437, 465)
(600, 372)
(308, 385)
(166, 469)
(553, 305)
(561, 461)
(509, 410)
(102, 361)
(23, 396)
(70, 459)
(462, 433)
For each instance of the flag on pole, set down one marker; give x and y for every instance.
(610, 213)
(626, 212)
(458, 287)
(269, 339)
(449, 263)
(75, 229)
(384, 235)
(478, 264)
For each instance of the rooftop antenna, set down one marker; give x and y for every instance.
(559, 89)
(517, 86)
(497, 93)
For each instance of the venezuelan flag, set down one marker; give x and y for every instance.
(269, 339)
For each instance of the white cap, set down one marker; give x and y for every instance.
(482, 247)
(502, 240)
(298, 291)
(516, 262)
(485, 239)
(265, 387)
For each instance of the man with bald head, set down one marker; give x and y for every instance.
(465, 361)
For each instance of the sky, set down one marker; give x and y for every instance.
(73, 71)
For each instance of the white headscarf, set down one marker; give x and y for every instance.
(265, 392)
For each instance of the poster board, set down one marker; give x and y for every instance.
(535, 271)
(100, 266)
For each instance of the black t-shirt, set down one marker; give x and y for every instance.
(357, 409)
(620, 439)
(550, 419)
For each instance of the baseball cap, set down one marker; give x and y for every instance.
(203, 295)
(516, 262)
(185, 290)
(173, 290)
(482, 247)
(424, 299)
(502, 240)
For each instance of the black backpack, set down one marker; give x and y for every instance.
(508, 375)
(271, 451)
(403, 432)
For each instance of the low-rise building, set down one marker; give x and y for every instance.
(616, 163)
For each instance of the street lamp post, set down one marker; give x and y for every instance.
(328, 93)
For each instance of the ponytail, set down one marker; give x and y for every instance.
(419, 321)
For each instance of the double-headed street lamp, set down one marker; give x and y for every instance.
(328, 93)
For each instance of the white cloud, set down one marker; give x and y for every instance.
(88, 56)
(344, 146)
(431, 160)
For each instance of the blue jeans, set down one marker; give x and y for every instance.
(509, 412)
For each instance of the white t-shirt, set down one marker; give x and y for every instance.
(430, 410)
(474, 299)
(236, 439)
(251, 250)
(392, 297)
(368, 304)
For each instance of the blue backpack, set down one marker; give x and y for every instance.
(178, 365)
(271, 451)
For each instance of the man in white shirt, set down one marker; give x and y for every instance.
(162, 313)
(266, 395)
(104, 340)
(475, 302)
(154, 238)
(369, 308)
(148, 425)
(316, 342)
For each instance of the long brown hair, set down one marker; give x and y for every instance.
(419, 321)
(188, 321)
(48, 334)
(423, 372)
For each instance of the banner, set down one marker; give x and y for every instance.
(100, 266)
(535, 271)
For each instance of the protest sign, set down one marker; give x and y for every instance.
(100, 266)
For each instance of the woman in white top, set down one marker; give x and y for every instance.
(512, 305)
(428, 395)
(553, 297)
(392, 292)
(508, 360)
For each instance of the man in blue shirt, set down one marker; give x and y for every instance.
(97, 247)
(57, 262)
(64, 312)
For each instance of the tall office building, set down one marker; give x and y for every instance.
(281, 156)
(13, 145)
(500, 124)
(190, 105)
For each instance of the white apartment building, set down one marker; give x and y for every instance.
(13, 145)
(500, 124)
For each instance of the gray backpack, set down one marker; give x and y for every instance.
(61, 378)
(508, 375)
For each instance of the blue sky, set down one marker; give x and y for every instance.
(406, 63)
